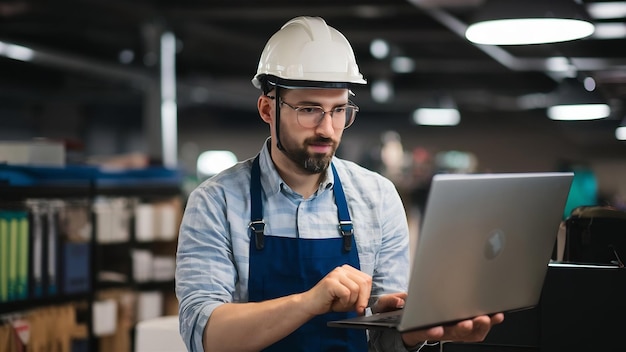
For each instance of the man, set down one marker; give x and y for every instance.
(274, 247)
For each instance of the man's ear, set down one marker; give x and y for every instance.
(266, 111)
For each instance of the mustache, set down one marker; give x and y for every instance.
(320, 140)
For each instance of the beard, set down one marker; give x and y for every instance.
(312, 163)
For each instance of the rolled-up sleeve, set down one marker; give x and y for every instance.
(205, 270)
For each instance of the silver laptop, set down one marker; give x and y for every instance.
(484, 247)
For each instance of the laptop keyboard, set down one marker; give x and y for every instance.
(389, 319)
(386, 318)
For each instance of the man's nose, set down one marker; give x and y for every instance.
(325, 126)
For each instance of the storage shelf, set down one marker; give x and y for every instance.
(113, 256)
(17, 193)
(32, 303)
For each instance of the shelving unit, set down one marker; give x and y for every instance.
(51, 288)
(135, 264)
(135, 189)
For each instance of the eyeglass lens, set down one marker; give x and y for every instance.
(312, 116)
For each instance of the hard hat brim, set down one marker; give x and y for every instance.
(302, 84)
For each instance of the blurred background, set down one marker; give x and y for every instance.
(90, 73)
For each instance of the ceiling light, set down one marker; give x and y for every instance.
(607, 10)
(439, 111)
(589, 83)
(437, 116)
(580, 112)
(379, 48)
(16, 52)
(620, 133)
(402, 64)
(382, 91)
(610, 31)
(574, 102)
(514, 22)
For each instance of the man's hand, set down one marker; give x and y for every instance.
(471, 330)
(343, 289)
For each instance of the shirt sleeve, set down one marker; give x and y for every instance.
(392, 270)
(205, 272)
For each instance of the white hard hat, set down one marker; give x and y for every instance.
(306, 52)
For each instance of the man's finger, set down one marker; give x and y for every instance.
(360, 284)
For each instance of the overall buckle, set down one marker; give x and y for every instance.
(347, 231)
(258, 227)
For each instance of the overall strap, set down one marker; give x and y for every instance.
(257, 225)
(345, 223)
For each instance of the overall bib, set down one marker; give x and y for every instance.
(282, 266)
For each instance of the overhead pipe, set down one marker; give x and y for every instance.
(73, 63)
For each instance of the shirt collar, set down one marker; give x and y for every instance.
(271, 180)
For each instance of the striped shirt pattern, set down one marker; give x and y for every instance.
(212, 262)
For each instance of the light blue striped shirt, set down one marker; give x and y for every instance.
(213, 247)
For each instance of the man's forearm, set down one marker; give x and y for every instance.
(254, 326)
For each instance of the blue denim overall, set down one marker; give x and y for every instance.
(282, 266)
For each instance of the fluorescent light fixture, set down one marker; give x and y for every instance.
(437, 116)
(528, 31)
(620, 133)
(610, 31)
(514, 22)
(574, 102)
(579, 112)
(607, 10)
(16, 52)
(212, 162)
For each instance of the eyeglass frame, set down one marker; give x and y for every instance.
(297, 109)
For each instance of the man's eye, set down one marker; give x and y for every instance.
(340, 109)
(309, 110)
